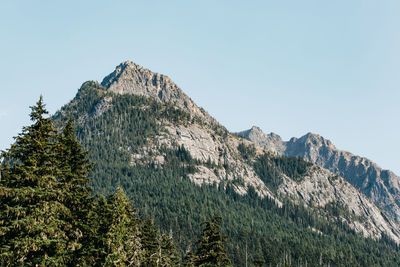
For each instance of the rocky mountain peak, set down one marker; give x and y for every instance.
(272, 141)
(256, 132)
(131, 78)
(256, 129)
(381, 186)
(313, 139)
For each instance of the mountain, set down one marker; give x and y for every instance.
(380, 186)
(179, 166)
(130, 78)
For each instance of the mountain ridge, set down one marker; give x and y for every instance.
(380, 185)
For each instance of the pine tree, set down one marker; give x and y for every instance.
(211, 251)
(100, 227)
(189, 259)
(119, 230)
(259, 262)
(75, 168)
(34, 220)
(149, 243)
(166, 254)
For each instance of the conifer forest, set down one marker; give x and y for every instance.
(67, 198)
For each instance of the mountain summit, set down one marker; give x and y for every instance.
(272, 141)
(131, 78)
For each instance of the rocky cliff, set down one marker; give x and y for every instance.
(317, 189)
(381, 186)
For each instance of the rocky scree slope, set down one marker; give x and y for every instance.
(381, 186)
(216, 153)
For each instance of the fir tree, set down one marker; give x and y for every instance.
(34, 220)
(100, 227)
(211, 251)
(189, 259)
(167, 254)
(259, 262)
(120, 232)
(75, 167)
(150, 243)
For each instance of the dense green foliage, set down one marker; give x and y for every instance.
(269, 168)
(257, 230)
(37, 222)
(247, 151)
(211, 251)
(293, 167)
(49, 218)
(118, 232)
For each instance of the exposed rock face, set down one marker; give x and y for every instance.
(381, 186)
(321, 188)
(130, 78)
(271, 141)
(318, 188)
(204, 145)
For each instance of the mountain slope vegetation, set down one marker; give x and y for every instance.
(149, 148)
(49, 217)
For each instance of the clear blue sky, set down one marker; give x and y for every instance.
(291, 67)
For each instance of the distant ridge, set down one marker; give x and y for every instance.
(381, 186)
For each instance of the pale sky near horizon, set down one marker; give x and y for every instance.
(290, 67)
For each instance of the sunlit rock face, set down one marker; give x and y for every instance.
(381, 186)
(130, 78)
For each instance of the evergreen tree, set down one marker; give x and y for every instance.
(34, 221)
(150, 243)
(189, 259)
(121, 244)
(211, 251)
(75, 168)
(259, 262)
(167, 254)
(100, 226)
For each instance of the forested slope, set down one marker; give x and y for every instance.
(122, 133)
